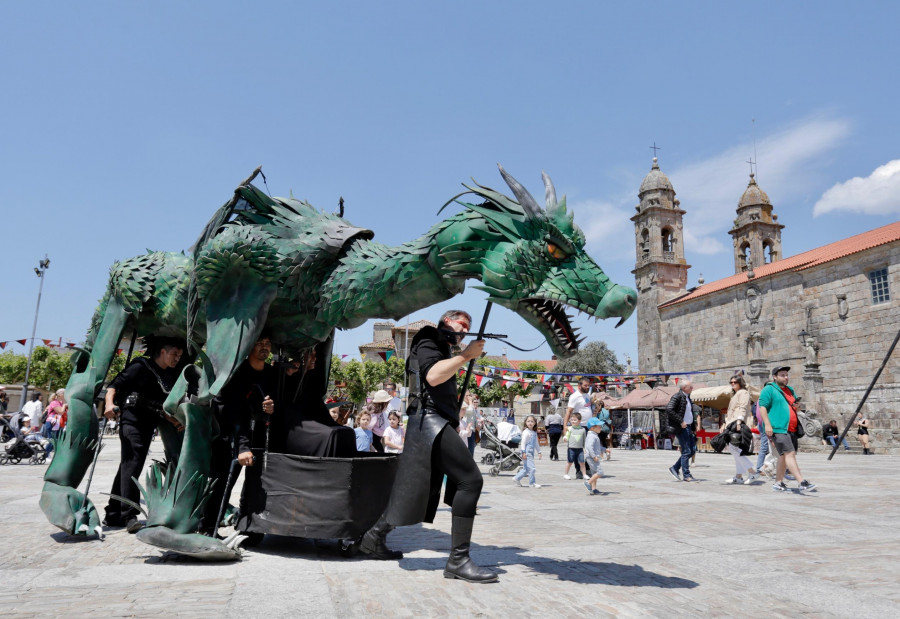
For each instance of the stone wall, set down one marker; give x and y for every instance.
(755, 326)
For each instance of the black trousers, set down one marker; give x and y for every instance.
(554, 441)
(377, 443)
(451, 457)
(220, 465)
(135, 441)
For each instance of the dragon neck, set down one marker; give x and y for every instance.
(373, 280)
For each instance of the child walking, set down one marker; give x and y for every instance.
(575, 436)
(593, 453)
(528, 448)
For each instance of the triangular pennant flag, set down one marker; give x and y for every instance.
(46, 342)
(569, 387)
(22, 342)
(3, 345)
(676, 381)
(539, 378)
(119, 351)
(70, 344)
(478, 379)
(383, 356)
(388, 355)
(342, 356)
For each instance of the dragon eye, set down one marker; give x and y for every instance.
(555, 251)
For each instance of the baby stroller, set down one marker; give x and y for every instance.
(502, 457)
(17, 449)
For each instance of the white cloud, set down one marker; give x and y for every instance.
(789, 166)
(607, 229)
(877, 194)
(706, 245)
(710, 189)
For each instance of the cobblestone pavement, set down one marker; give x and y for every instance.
(648, 546)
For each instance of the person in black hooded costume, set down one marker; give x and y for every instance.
(433, 449)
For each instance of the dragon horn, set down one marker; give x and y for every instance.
(551, 191)
(525, 199)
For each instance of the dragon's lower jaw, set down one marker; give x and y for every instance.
(550, 318)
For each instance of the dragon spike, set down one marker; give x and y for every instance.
(526, 200)
(550, 190)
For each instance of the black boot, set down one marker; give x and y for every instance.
(865, 451)
(460, 565)
(373, 544)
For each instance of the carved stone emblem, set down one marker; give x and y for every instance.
(843, 306)
(754, 303)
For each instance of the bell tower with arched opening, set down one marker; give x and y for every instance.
(660, 270)
(756, 232)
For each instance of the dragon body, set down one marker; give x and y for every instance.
(282, 265)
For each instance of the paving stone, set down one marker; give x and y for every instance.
(651, 546)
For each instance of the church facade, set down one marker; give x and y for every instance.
(830, 313)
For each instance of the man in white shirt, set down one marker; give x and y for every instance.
(34, 408)
(579, 402)
(396, 404)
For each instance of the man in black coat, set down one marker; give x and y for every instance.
(432, 450)
(681, 421)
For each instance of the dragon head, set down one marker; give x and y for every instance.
(531, 260)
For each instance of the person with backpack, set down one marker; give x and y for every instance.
(778, 415)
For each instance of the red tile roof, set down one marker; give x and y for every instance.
(806, 260)
(548, 364)
(388, 344)
(414, 326)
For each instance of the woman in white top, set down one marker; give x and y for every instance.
(739, 411)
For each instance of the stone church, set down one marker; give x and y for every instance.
(830, 313)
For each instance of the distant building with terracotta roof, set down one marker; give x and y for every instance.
(829, 313)
(390, 337)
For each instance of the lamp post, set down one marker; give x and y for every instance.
(39, 270)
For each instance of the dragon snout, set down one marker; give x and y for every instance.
(619, 301)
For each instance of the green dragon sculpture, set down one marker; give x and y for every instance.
(282, 265)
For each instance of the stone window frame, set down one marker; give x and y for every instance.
(879, 286)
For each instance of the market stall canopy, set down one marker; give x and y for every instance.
(718, 397)
(657, 397)
(607, 400)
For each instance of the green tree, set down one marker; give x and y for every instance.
(50, 367)
(592, 358)
(493, 392)
(363, 377)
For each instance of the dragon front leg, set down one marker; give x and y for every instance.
(62, 503)
(177, 496)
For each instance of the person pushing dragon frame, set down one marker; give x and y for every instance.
(282, 265)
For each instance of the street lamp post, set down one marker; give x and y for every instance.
(39, 270)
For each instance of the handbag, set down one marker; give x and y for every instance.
(735, 438)
(800, 432)
(719, 441)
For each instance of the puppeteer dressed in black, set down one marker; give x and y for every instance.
(432, 449)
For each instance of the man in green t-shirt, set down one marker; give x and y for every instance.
(778, 414)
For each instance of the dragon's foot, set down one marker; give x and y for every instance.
(70, 510)
(193, 544)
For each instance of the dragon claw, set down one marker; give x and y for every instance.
(192, 544)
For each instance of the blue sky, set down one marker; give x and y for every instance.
(125, 125)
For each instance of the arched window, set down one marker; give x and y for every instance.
(745, 256)
(769, 254)
(668, 240)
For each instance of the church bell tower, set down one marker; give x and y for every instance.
(660, 270)
(756, 232)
